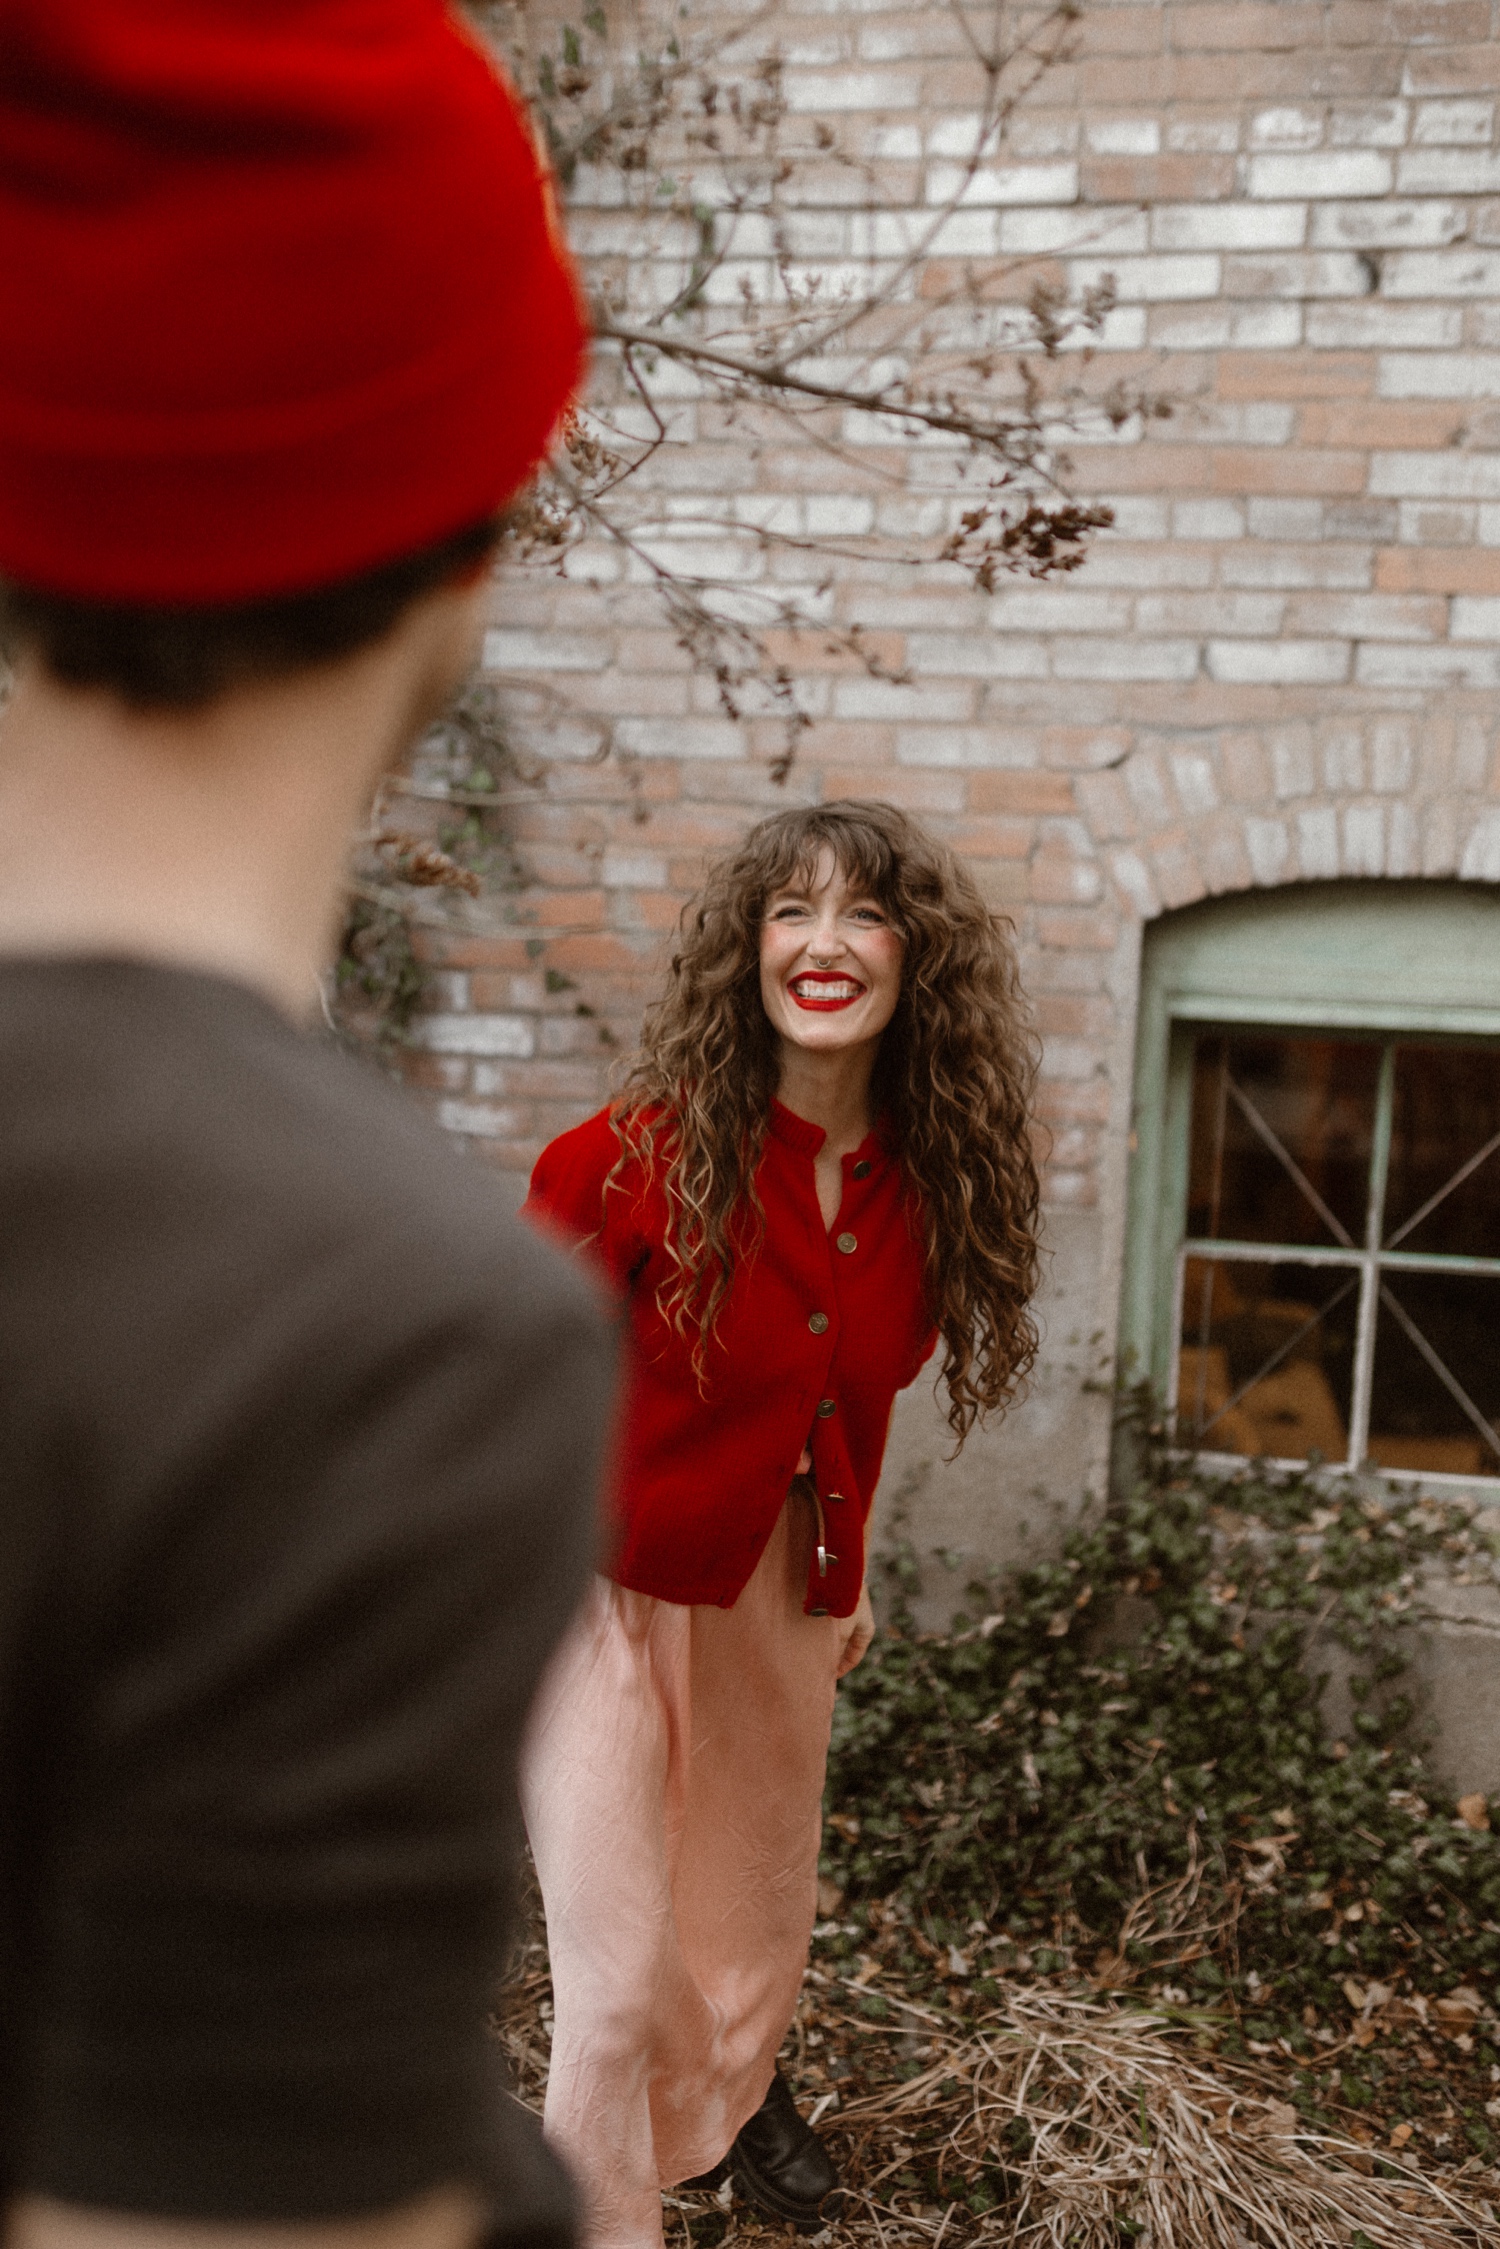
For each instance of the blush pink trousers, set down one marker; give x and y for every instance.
(673, 1787)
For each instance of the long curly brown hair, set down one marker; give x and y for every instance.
(953, 1078)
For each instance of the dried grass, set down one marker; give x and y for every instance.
(1126, 2122)
(1089, 2123)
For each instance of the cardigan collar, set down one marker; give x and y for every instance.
(795, 1131)
(806, 1139)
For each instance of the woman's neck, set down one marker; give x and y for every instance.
(831, 1090)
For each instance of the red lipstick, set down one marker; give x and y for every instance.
(841, 991)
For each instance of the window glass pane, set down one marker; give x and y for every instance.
(1416, 1419)
(1266, 1364)
(1446, 1114)
(1281, 1137)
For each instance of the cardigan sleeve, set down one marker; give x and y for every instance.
(568, 1200)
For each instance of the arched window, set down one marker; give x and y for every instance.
(1313, 1243)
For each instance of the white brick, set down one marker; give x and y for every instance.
(1428, 374)
(1454, 124)
(956, 136)
(1137, 516)
(478, 1119)
(1448, 171)
(1372, 326)
(1285, 517)
(1441, 273)
(1436, 476)
(1043, 227)
(633, 870)
(1488, 528)
(513, 1035)
(1208, 519)
(1388, 664)
(675, 549)
(1268, 846)
(1475, 617)
(1228, 226)
(1126, 659)
(508, 650)
(1278, 663)
(1193, 774)
(1292, 764)
(1295, 569)
(1343, 760)
(1481, 859)
(1372, 125)
(968, 746)
(1324, 174)
(975, 656)
(899, 144)
(1059, 608)
(1123, 136)
(1318, 842)
(846, 515)
(852, 89)
(1286, 128)
(1129, 871)
(1366, 616)
(808, 53)
(591, 563)
(1299, 275)
(1055, 135)
(895, 234)
(1004, 183)
(768, 511)
(680, 737)
(1393, 755)
(1245, 616)
(1426, 225)
(1364, 839)
(1124, 330)
(882, 698)
(1256, 326)
(1149, 280)
(1401, 848)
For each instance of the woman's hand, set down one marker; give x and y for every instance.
(861, 1631)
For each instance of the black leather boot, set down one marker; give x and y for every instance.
(779, 2163)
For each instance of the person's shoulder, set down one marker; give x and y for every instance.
(184, 1121)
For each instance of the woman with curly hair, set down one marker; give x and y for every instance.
(819, 1170)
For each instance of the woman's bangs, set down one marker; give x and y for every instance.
(863, 858)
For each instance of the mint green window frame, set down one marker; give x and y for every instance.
(1372, 958)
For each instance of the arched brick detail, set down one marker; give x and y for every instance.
(1180, 818)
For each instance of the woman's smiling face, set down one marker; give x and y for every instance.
(830, 962)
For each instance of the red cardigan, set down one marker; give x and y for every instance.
(820, 1328)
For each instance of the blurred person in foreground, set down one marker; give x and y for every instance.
(298, 1433)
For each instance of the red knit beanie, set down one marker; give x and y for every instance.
(281, 293)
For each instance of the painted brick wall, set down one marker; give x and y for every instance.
(1283, 663)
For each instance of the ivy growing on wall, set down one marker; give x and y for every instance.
(1187, 1757)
